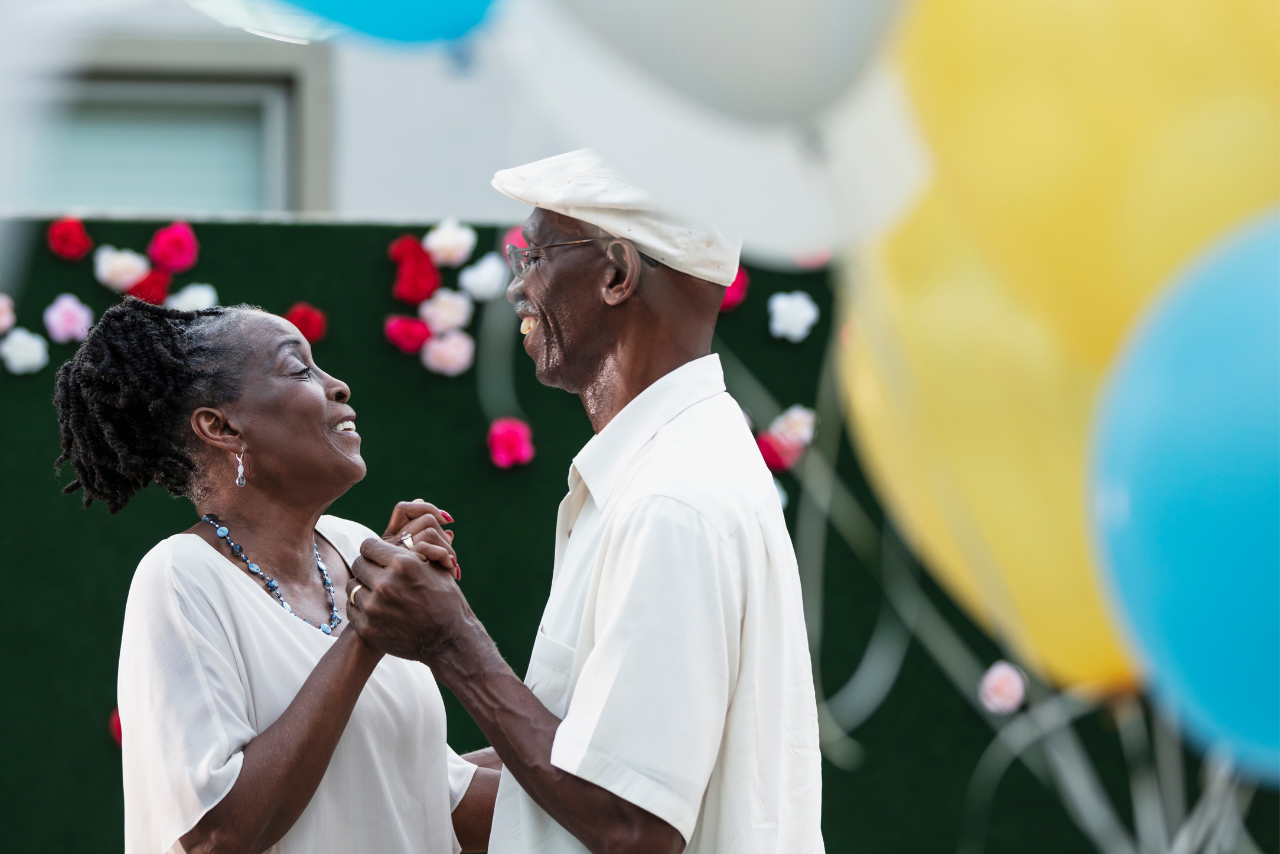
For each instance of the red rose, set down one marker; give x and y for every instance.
(113, 726)
(152, 288)
(778, 453)
(736, 292)
(408, 334)
(510, 443)
(311, 321)
(416, 275)
(68, 239)
(174, 248)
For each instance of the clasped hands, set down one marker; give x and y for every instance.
(410, 605)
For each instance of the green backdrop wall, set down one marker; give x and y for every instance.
(67, 570)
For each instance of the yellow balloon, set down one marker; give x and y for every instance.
(1083, 151)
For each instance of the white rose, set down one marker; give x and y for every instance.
(7, 316)
(194, 297)
(792, 316)
(1002, 689)
(450, 243)
(24, 352)
(795, 425)
(449, 354)
(487, 278)
(119, 269)
(446, 310)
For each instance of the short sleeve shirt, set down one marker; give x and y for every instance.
(673, 643)
(208, 660)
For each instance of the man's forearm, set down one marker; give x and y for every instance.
(522, 731)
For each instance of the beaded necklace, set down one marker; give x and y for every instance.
(273, 586)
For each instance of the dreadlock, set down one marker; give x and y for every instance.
(125, 398)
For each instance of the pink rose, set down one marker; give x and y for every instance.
(510, 443)
(1002, 689)
(67, 319)
(7, 315)
(174, 248)
(779, 453)
(113, 726)
(736, 292)
(406, 334)
(449, 353)
(68, 240)
(514, 237)
(311, 321)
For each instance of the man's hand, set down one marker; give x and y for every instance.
(404, 605)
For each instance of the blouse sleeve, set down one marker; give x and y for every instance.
(184, 709)
(461, 773)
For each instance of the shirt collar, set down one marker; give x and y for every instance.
(603, 460)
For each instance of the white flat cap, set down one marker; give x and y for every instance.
(581, 185)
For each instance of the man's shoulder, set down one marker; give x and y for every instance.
(706, 458)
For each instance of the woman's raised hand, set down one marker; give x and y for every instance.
(424, 523)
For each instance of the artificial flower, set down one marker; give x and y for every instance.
(447, 309)
(514, 237)
(737, 291)
(487, 278)
(24, 352)
(67, 319)
(416, 275)
(174, 248)
(1002, 689)
(795, 425)
(113, 727)
(450, 243)
(311, 321)
(778, 455)
(788, 435)
(7, 315)
(407, 334)
(194, 297)
(119, 269)
(449, 354)
(510, 443)
(153, 287)
(67, 239)
(792, 316)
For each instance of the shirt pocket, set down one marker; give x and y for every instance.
(550, 673)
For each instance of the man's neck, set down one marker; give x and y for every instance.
(622, 376)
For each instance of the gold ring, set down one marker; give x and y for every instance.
(351, 597)
(406, 540)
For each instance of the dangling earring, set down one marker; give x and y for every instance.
(239, 470)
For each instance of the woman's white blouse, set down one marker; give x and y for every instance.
(209, 660)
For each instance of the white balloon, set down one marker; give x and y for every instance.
(789, 193)
(269, 18)
(763, 60)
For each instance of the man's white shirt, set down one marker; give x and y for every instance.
(673, 643)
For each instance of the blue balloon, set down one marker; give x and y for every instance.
(403, 20)
(1185, 485)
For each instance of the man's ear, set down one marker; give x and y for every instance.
(214, 427)
(625, 267)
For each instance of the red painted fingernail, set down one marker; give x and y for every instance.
(446, 516)
(457, 571)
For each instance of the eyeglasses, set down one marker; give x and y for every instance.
(521, 258)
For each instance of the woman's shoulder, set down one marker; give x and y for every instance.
(182, 567)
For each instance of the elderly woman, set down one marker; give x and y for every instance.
(252, 721)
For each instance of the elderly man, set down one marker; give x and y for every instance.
(669, 702)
